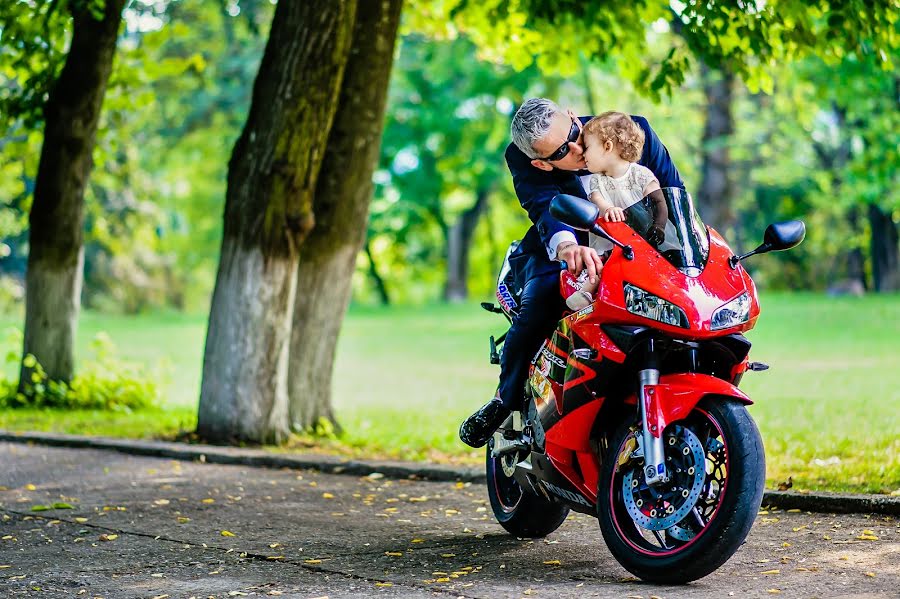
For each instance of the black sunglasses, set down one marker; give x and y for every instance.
(563, 150)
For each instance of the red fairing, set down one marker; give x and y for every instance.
(698, 297)
(677, 394)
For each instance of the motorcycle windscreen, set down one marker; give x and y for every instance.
(666, 218)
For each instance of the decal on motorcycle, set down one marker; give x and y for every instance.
(573, 497)
(505, 298)
(584, 312)
(553, 357)
(542, 388)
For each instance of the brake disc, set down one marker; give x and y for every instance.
(643, 502)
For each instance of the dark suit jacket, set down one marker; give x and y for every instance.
(536, 188)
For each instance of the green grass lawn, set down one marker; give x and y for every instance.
(406, 377)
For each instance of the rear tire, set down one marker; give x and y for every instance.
(519, 511)
(710, 521)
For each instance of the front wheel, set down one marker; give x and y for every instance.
(520, 512)
(684, 529)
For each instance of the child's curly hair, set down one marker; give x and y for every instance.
(627, 137)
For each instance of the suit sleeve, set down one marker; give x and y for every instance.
(656, 157)
(535, 189)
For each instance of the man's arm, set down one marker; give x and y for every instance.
(656, 157)
(535, 189)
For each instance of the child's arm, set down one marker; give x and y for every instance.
(610, 213)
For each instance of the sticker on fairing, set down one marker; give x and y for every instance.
(584, 312)
(505, 297)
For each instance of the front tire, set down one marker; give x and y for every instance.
(519, 511)
(687, 528)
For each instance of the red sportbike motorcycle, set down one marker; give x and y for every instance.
(632, 409)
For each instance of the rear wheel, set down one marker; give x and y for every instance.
(519, 511)
(684, 529)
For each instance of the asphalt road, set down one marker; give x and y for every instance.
(152, 527)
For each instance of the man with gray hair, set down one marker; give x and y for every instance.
(546, 158)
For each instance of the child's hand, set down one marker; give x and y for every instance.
(614, 214)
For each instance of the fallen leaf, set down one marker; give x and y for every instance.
(274, 545)
(183, 519)
(327, 496)
(773, 591)
(208, 500)
(771, 572)
(80, 519)
(417, 541)
(394, 553)
(275, 557)
(312, 561)
(867, 535)
(552, 562)
(226, 533)
(384, 584)
(161, 502)
(30, 487)
(448, 555)
(106, 537)
(785, 486)
(40, 508)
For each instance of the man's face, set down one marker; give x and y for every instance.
(558, 135)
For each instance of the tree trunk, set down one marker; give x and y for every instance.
(56, 239)
(459, 242)
(380, 285)
(268, 213)
(328, 256)
(714, 198)
(885, 250)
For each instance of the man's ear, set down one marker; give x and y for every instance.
(541, 164)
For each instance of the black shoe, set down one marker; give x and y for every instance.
(480, 426)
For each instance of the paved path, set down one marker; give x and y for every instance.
(151, 527)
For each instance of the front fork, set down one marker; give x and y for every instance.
(653, 448)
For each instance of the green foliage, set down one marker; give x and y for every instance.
(103, 383)
(750, 38)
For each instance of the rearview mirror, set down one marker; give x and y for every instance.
(784, 236)
(576, 212)
(778, 236)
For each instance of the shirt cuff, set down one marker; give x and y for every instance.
(557, 239)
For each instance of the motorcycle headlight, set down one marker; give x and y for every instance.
(733, 313)
(642, 303)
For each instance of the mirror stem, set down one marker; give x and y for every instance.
(733, 261)
(626, 249)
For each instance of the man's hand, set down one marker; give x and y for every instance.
(578, 257)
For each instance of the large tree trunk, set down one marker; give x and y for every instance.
(268, 213)
(459, 242)
(885, 250)
(56, 250)
(715, 195)
(328, 256)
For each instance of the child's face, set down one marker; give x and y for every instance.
(599, 157)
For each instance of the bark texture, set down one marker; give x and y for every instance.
(459, 242)
(56, 252)
(328, 255)
(715, 196)
(885, 250)
(268, 212)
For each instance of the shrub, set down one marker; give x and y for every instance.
(104, 382)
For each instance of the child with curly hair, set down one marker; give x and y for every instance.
(612, 146)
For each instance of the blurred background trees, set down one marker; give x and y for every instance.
(774, 111)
